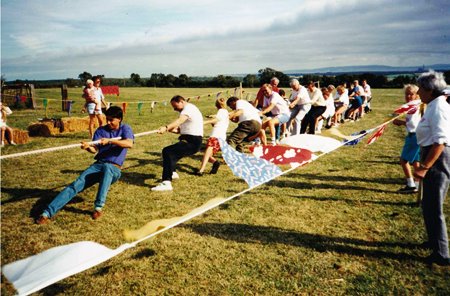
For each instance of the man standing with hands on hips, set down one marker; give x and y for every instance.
(190, 127)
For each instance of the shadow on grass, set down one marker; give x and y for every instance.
(243, 233)
(412, 203)
(394, 181)
(324, 185)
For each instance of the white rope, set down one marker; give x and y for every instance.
(45, 150)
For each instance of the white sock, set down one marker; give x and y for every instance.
(417, 183)
(410, 182)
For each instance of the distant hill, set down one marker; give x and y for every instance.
(370, 69)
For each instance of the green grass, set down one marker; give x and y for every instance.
(333, 227)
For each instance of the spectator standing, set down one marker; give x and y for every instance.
(411, 150)
(433, 136)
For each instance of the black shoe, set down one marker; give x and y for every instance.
(408, 190)
(215, 167)
(197, 172)
(438, 260)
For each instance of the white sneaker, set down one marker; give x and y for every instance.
(175, 175)
(164, 186)
(13, 143)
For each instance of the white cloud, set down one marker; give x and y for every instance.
(211, 37)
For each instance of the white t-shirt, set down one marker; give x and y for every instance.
(220, 127)
(280, 104)
(316, 97)
(301, 93)
(412, 120)
(344, 98)
(330, 107)
(434, 127)
(367, 91)
(194, 124)
(249, 112)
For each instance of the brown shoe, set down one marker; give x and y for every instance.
(42, 220)
(96, 214)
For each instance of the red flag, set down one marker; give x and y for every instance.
(377, 134)
(410, 107)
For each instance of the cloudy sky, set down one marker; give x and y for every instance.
(47, 39)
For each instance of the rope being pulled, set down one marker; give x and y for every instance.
(51, 149)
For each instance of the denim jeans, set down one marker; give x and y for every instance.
(103, 173)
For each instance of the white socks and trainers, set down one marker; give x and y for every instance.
(163, 186)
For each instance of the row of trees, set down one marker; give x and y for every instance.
(226, 81)
(263, 76)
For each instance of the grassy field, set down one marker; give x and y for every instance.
(333, 227)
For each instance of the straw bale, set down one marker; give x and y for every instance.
(52, 127)
(19, 137)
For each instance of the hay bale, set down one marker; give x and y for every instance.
(52, 127)
(44, 128)
(19, 137)
(75, 124)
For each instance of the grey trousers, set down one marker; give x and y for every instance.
(435, 188)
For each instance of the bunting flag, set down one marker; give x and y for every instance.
(188, 99)
(69, 107)
(218, 94)
(124, 107)
(358, 137)
(152, 106)
(282, 154)
(140, 107)
(377, 134)
(45, 103)
(253, 170)
(198, 98)
(409, 108)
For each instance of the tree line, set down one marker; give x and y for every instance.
(375, 80)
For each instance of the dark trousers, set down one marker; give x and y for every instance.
(244, 130)
(188, 145)
(310, 119)
(435, 188)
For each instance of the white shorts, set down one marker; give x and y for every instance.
(91, 109)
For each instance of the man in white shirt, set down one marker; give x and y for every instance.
(300, 104)
(278, 108)
(190, 127)
(249, 122)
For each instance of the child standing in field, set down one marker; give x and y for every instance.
(220, 125)
(411, 150)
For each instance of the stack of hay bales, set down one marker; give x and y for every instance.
(53, 127)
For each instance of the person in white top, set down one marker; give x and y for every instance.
(3, 126)
(411, 150)
(300, 103)
(220, 124)
(368, 95)
(190, 127)
(329, 111)
(433, 136)
(249, 122)
(318, 106)
(341, 104)
(277, 107)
